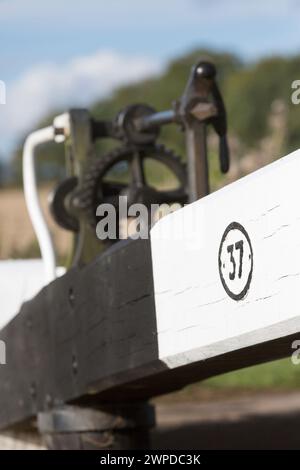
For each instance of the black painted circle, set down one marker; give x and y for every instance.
(240, 295)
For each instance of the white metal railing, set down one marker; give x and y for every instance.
(56, 133)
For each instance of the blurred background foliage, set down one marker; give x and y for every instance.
(249, 89)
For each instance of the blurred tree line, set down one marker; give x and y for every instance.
(249, 89)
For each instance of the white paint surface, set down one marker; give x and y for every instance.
(195, 316)
(20, 280)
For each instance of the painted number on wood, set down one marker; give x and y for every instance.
(236, 261)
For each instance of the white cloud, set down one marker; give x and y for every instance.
(49, 87)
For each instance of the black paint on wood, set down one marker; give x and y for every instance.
(87, 331)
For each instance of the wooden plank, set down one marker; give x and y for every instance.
(227, 267)
(101, 334)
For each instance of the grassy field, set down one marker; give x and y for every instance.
(272, 377)
(17, 239)
(277, 374)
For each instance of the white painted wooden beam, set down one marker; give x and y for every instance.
(227, 268)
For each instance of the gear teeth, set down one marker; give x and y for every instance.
(98, 168)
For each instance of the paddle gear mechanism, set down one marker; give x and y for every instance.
(96, 189)
(94, 179)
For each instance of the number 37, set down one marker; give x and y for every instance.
(231, 249)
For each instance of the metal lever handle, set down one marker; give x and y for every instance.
(224, 154)
(219, 123)
(200, 105)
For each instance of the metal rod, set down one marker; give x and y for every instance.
(197, 164)
(155, 120)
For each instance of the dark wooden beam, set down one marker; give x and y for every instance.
(91, 329)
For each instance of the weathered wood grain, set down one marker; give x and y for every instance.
(85, 332)
(200, 306)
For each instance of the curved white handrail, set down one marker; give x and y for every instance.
(32, 199)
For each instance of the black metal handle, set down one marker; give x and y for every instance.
(224, 154)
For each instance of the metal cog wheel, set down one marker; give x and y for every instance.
(94, 190)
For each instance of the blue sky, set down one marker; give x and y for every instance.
(50, 49)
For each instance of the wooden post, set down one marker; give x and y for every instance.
(109, 427)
